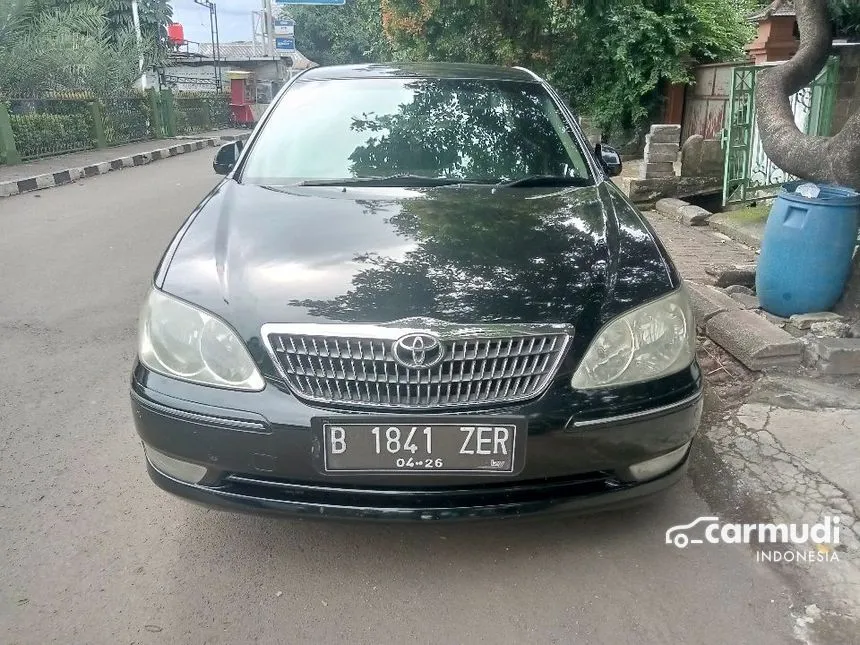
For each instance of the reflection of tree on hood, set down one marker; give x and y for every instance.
(490, 260)
(464, 129)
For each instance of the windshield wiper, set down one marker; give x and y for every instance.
(392, 180)
(534, 181)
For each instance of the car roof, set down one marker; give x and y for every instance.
(421, 70)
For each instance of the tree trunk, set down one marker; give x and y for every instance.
(834, 159)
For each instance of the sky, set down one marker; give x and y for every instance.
(234, 19)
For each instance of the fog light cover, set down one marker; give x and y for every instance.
(652, 468)
(176, 468)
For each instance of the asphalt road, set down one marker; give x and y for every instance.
(92, 552)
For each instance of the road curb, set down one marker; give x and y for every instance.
(71, 175)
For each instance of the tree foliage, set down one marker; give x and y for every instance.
(341, 34)
(61, 48)
(609, 57)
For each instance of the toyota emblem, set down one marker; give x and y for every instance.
(418, 351)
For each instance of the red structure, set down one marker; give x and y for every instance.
(242, 96)
(175, 33)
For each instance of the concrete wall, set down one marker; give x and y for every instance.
(848, 91)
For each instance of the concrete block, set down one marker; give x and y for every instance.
(664, 133)
(830, 329)
(103, 167)
(837, 356)
(691, 156)
(661, 148)
(127, 162)
(647, 191)
(661, 157)
(747, 301)
(658, 170)
(753, 340)
(707, 302)
(8, 188)
(45, 181)
(738, 288)
(726, 275)
(713, 158)
(694, 215)
(805, 321)
(670, 207)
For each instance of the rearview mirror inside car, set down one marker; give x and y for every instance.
(226, 157)
(609, 159)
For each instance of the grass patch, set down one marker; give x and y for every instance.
(751, 214)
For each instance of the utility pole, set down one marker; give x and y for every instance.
(215, 39)
(270, 29)
(270, 26)
(136, 18)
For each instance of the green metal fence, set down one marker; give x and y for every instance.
(127, 119)
(200, 111)
(51, 125)
(47, 125)
(749, 174)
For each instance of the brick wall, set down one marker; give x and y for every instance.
(848, 91)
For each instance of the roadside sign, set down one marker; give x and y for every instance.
(283, 44)
(285, 28)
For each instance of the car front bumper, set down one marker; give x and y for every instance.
(267, 461)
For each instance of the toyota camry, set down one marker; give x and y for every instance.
(416, 294)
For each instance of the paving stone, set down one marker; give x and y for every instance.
(837, 356)
(694, 215)
(708, 301)
(747, 301)
(738, 288)
(830, 329)
(753, 340)
(743, 274)
(805, 321)
(671, 207)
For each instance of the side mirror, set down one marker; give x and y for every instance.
(226, 157)
(609, 159)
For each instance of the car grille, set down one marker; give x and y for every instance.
(362, 371)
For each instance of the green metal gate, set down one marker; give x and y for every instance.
(748, 173)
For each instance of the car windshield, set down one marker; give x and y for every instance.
(402, 129)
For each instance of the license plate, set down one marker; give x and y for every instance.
(488, 446)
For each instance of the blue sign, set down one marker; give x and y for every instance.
(285, 44)
(331, 2)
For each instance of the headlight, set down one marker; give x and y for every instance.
(654, 340)
(184, 342)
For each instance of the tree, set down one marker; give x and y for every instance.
(824, 159)
(337, 35)
(63, 49)
(609, 57)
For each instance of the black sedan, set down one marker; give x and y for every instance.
(416, 295)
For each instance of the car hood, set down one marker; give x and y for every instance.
(463, 254)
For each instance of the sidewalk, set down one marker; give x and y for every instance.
(63, 169)
(696, 248)
(791, 440)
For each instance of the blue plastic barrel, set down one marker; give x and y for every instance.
(807, 250)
